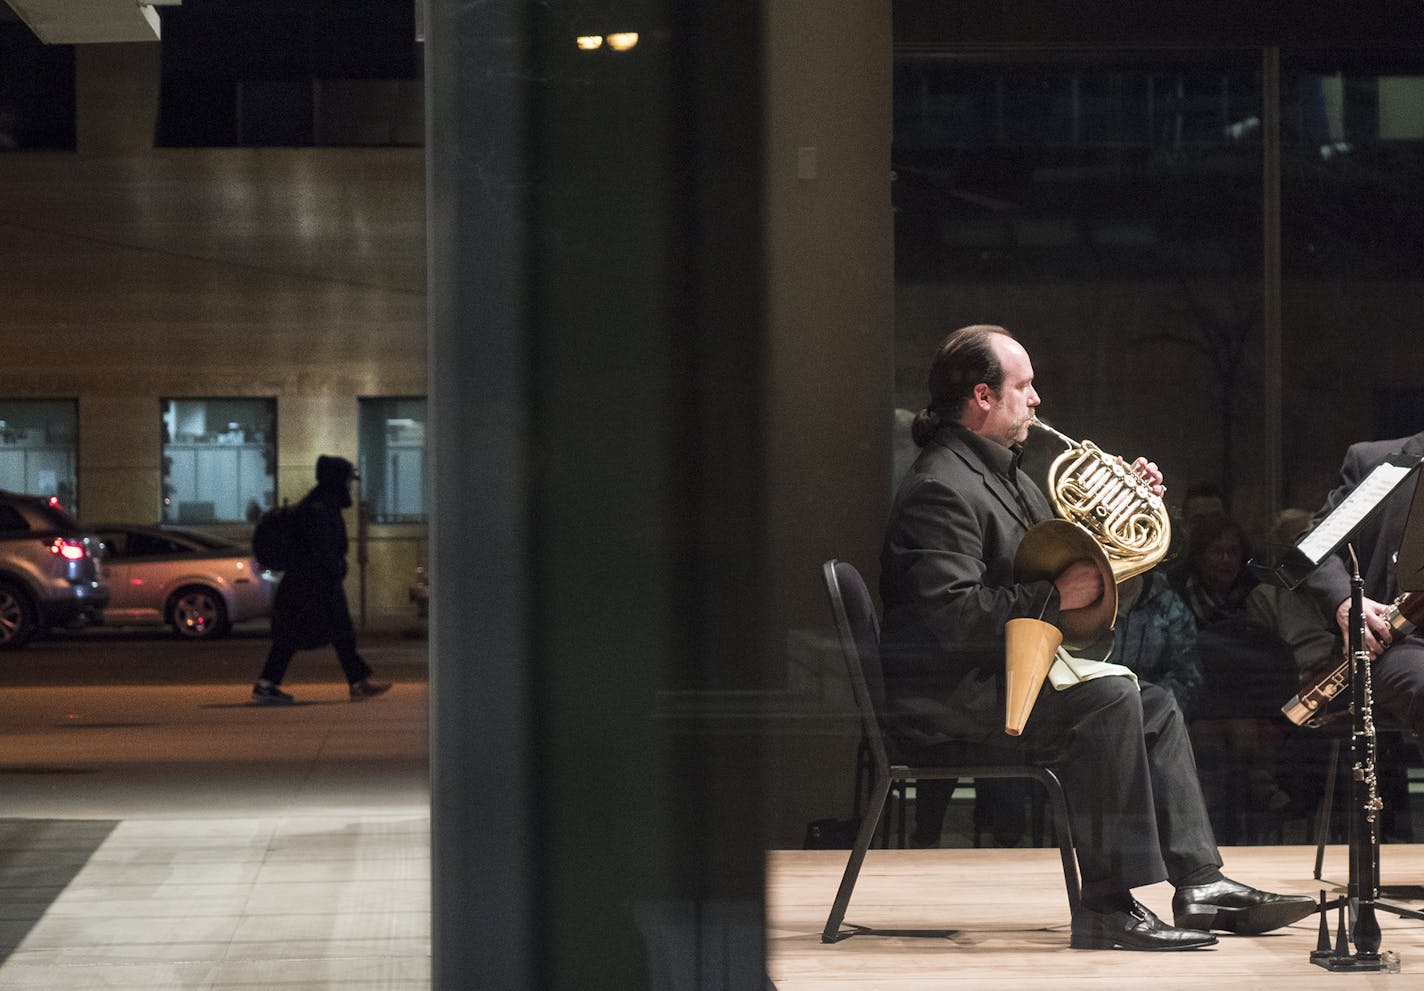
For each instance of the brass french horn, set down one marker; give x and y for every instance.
(1107, 514)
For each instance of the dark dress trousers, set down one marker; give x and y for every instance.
(1398, 674)
(947, 590)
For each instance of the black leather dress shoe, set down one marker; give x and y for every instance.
(1236, 908)
(1131, 929)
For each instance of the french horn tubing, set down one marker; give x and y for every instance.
(1115, 505)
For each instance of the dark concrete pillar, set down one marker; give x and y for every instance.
(596, 352)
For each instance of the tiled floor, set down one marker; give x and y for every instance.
(165, 837)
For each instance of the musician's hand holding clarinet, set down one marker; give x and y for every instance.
(1378, 633)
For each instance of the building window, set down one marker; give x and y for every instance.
(38, 447)
(219, 459)
(393, 459)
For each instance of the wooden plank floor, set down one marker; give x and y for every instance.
(1008, 924)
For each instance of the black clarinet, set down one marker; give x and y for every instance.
(1364, 785)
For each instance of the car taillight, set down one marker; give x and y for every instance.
(68, 548)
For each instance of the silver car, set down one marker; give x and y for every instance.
(49, 569)
(194, 582)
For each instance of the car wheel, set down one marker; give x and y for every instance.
(197, 613)
(18, 617)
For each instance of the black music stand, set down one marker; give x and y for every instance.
(1330, 535)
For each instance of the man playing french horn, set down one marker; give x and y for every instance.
(948, 587)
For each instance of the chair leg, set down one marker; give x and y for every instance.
(904, 814)
(874, 810)
(1062, 831)
(881, 837)
(1327, 803)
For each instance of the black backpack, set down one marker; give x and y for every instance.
(273, 539)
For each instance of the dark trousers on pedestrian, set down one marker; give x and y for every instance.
(281, 652)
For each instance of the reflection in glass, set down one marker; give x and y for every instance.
(1353, 150)
(1107, 207)
(1352, 255)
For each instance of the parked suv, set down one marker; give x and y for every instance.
(49, 569)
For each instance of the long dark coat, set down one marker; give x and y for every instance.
(310, 608)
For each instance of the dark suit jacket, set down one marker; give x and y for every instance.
(1377, 543)
(947, 588)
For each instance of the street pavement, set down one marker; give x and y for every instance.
(123, 724)
(159, 830)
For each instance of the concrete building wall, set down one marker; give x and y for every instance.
(133, 274)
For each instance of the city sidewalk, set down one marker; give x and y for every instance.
(176, 836)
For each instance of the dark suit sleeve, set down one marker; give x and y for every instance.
(952, 557)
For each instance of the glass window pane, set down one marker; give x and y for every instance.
(219, 459)
(393, 459)
(39, 447)
(1352, 256)
(1353, 161)
(1107, 207)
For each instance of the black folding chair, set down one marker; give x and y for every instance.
(859, 633)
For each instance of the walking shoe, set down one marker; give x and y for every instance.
(270, 695)
(368, 689)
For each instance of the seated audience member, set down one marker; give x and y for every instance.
(1248, 672)
(1211, 575)
(1154, 637)
(1293, 614)
(1201, 499)
(1295, 617)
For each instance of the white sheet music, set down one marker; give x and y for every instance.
(1345, 517)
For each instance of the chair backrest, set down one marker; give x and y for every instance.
(859, 633)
